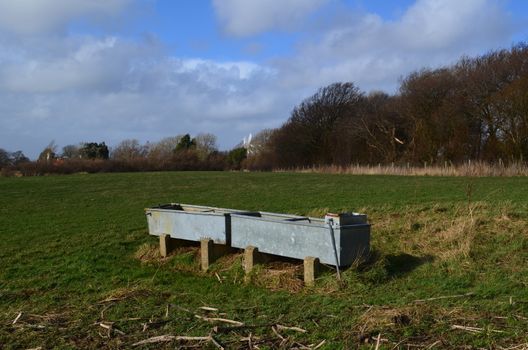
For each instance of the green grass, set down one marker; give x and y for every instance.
(67, 243)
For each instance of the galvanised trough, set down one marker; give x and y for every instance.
(335, 240)
(338, 239)
(191, 222)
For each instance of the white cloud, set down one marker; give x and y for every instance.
(244, 18)
(374, 53)
(110, 89)
(440, 24)
(41, 16)
(94, 64)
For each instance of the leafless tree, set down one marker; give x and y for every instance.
(128, 150)
(164, 149)
(205, 144)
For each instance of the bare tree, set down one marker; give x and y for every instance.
(163, 149)
(70, 151)
(128, 150)
(206, 143)
(309, 137)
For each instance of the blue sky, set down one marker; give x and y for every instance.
(107, 70)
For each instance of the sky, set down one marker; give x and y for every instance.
(76, 71)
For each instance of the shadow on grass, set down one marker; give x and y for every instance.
(399, 265)
(379, 268)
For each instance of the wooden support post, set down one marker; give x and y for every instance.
(209, 252)
(166, 245)
(251, 258)
(311, 270)
(206, 253)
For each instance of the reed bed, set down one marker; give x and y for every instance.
(479, 169)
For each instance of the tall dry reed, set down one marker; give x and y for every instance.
(466, 169)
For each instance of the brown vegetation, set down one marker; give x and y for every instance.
(470, 118)
(464, 169)
(475, 110)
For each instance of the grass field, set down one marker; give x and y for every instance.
(449, 266)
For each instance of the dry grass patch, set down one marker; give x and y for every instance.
(451, 243)
(278, 275)
(119, 294)
(228, 261)
(446, 234)
(429, 317)
(318, 212)
(147, 253)
(474, 169)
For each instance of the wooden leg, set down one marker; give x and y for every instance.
(165, 245)
(206, 253)
(311, 270)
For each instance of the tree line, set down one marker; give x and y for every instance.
(181, 152)
(475, 109)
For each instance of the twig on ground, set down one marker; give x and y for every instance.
(283, 339)
(17, 317)
(35, 326)
(219, 319)
(181, 308)
(520, 346)
(323, 342)
(215, 343)
(103, 310)
(467, 329)
(378, 341)
(118, 331)
(169, 338)
(434, 344)
(109, 326)
(398, 344)
(207, 308)
(154, 340)
(297, 329)
(473, 329)
(227, 329)
(249, 340)
(445, 297)
(104, 325)
(277, 333)
(218, 277)
(151, 323)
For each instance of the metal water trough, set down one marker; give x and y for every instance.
(191, 222)
(335, 240)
